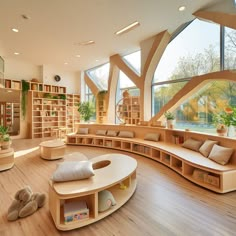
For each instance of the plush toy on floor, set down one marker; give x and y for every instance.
(25, 203)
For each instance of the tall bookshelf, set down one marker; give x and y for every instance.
(128, 110)
(72, 111)
(101, 108)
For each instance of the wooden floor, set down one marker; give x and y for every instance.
(164, 203)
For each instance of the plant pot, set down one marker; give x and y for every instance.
(6, 144)
(170, 124)
(221, 132)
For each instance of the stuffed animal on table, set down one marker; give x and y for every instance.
(25, 203)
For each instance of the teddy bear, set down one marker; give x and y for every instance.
(25, 203)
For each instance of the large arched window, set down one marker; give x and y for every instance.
(194, 51)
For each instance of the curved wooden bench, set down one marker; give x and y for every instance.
(110, 172)
(218, 178)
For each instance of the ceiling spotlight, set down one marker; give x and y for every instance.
(16, 53)
(65, 63)
(77, 55)
(182, 8)
(128, 28)
(15, 30)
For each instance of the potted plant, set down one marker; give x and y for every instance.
(225, 120)
(101, 94)
(25, 88)
(4, 137)
(86, 110)
(170, 117)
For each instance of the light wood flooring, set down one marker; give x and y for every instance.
(164, 202)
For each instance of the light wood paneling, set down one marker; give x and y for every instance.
(163, 204)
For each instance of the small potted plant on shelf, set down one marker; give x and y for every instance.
(170, 117)
(225, 121)
(4, 137)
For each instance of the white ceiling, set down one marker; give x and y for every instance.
(55, 28)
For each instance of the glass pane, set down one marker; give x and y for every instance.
(124, 81)
(134, 60)
(194, 51)
(100, 76)
(230, 48)
(197, 112)
(163, 93)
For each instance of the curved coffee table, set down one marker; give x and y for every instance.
(113, 172)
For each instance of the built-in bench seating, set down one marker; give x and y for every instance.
(190, 164)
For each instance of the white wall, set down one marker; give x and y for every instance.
(71, 80)
(18, 70)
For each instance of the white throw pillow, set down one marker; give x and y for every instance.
(73, 170)
(206, 147)
(221, 154)
(82, 131)
(111, 133)
(101, 132)
(152, 137)
(126, 134)
(192, 144)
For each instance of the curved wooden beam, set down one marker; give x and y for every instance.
(190, 88)
(93, 87)
(222, 18)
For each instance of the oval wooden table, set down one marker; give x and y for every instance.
(6, 159)
(113, 172)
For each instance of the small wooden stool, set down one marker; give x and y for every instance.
(52, 150)
(6, 159)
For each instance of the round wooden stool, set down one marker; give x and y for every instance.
(52, 150)
(6, 159)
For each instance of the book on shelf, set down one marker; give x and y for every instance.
(176, 139)
(75, 211)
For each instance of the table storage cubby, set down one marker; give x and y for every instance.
(176, 164)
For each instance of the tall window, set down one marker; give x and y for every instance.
(100, 76)
(230, 49)
(189, 54)
(89, 96)
(134, 60)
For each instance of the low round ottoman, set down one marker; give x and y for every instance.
(52, 150)
(6, 159)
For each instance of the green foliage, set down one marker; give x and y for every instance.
(101, 94)
(169, 115)
(86, 110)
(25, 88)
(62, 96)
(4, 136)
(225, 117)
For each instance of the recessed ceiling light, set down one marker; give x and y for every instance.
(97, 60)
(15, 30)
(16, 53)
(9, 91)
(85, 43)
(128, 28)
(182, 8)
(65, 63)
(77, 55)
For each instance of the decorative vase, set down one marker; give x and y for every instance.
(170, 124)
(231, 131)
(221, 131)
